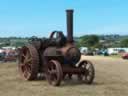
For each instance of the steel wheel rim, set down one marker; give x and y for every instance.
(54, 73)
(88, 75)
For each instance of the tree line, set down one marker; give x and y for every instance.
(95, 41)
(90, 41)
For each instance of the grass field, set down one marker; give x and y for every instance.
(111, 80)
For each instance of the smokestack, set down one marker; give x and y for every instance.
(69, 25)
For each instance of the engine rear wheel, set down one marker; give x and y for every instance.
(28, 62)
(54, 73)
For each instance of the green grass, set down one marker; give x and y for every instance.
(110, 56)
(111, 80)
(115, 56)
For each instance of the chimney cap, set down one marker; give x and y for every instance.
(69, 10)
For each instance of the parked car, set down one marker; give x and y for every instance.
(2, 55)
(90, 53)
(11, 56)
(125, 56)
(102, 52)
(105, 53)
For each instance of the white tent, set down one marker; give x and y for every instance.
(1, 51)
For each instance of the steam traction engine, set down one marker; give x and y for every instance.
(56, 57)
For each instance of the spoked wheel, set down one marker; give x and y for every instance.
(54, 73)
(88, 75)
(28, 62)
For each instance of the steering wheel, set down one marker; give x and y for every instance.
(58, 36)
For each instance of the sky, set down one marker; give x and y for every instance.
(26, 18)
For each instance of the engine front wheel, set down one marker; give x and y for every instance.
(54, 73)
(88, 75)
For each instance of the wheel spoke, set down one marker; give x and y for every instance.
(88, 66)
(53, 72)
(24, 62)
(28, 67)
(27, 70)
(28, 55)
(28, 61)
(52, 66)
(25, 74)
(21, 65)
(23, 55)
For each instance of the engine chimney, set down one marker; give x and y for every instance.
(69, 25)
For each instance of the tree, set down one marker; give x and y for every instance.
(90, 41)
(124, 43)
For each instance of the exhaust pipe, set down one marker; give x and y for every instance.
(69, 26)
